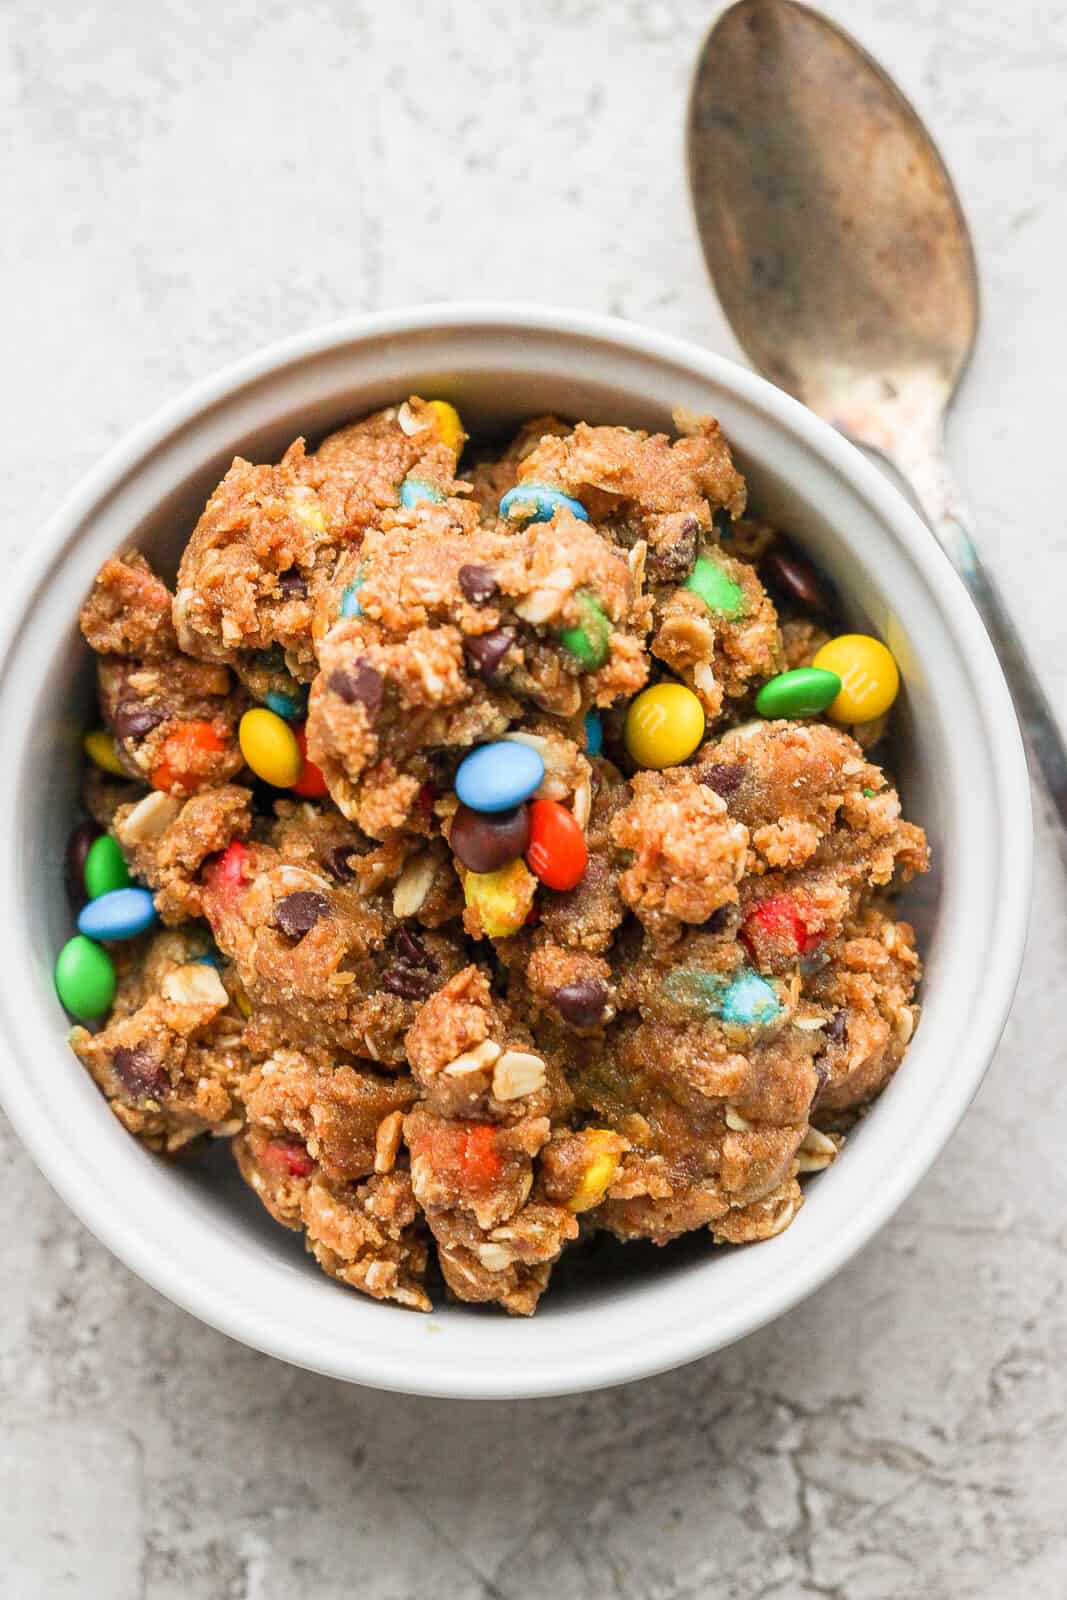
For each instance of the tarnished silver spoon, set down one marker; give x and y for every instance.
(843, 262)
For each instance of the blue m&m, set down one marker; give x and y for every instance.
(416, 491)
(536, 502)
(122, 914)
(350, 606)
(498, 776)
(290, 706)
(749, 1002)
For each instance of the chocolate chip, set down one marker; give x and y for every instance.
(837, 1028)
(478, 583)
(337, 863)
(410, 948)
(793, 578)
(140, 1074)
(409, 985)
(583, 1003)
(293, 585)
(359, 685)
(134, 719)
(298, 913)
(725, 777)
(84, 835)
(485, 651)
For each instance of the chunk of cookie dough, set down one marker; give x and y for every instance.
(366, 1234)
(723, 642)
(333, 1110)
(486, 1110)
(129, 611)
(270, 536)
(166, 841)
(172, 1055)
(642, 486)
(865, 994)
(673, 1090)
(323, 967)
(174, 720)
(457, 633)
(686, 854)
(807, 794)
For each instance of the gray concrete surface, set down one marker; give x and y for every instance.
(183, 181)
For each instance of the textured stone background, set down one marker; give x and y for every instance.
(184, 181)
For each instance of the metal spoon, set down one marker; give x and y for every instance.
(843, 262)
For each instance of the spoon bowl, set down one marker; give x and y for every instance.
(843, 262)
(867, 276)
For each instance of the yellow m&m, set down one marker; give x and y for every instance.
(870, 681)
(100, 748)
(500, 901)
(603, 1155)
(664, 725)
(269, 746)
(448, 424)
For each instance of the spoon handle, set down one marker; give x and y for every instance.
(934, 486)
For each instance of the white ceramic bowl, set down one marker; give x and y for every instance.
(193, 1232)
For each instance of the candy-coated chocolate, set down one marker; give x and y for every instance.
(79, 844)
(598, 1174)
(594, 733)
(100, 748)
(290, 706)
(870, 681)
(499, 776)
(583, 1003)
(502, 899)
(749, 1001)
(177, 766)
(536, 502)
(269, 746)
(311, 784)
(105, 868)
(486, 841)
(85, 979)
(722, 596)
(804, 692)
(120, 914)
(784, 923)
(415, 491)
(746, 1000)
(449, 425)
(590, 638)
(664, 725)
(792, 577)
(350, 606)
(557, 851)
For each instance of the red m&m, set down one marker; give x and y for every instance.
(556, 852)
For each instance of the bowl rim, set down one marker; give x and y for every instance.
(630, 1359)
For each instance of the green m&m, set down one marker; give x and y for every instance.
(85, 978)
(804, 692)
(722, 596)
(589, 640)
(105, 868)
